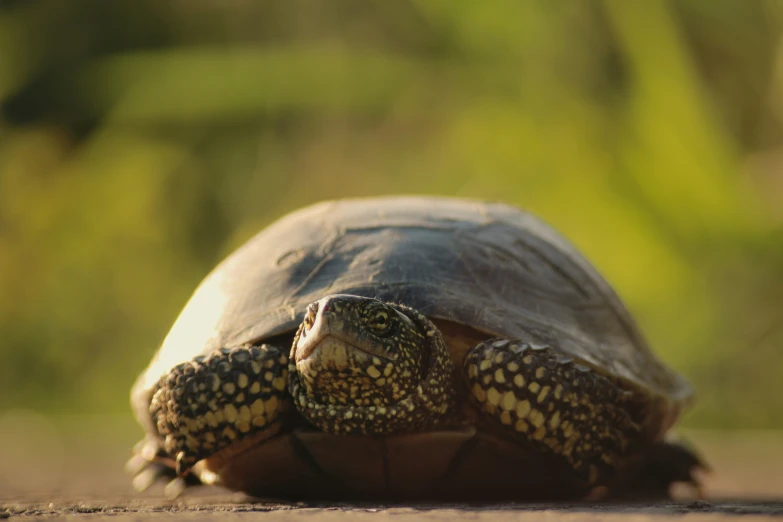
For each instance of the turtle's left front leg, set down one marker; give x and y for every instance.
(205, 405)
(544, 398)
(212, 407)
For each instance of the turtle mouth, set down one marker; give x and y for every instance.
(336, 372)
(329, 361)
(306, 349)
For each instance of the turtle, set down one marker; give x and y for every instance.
(404, 348)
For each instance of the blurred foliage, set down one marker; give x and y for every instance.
(140, 142)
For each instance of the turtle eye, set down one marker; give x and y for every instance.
(380, 323)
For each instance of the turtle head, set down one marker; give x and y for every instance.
(356, 360)
(358, 350)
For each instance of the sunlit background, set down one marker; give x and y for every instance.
(141, 142)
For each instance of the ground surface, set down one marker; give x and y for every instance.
(54, 469)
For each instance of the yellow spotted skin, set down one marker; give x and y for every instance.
(361, 366)
(205, 405)
(543, 398)
(378, 369)
(396, 377)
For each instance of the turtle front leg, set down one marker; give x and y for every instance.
(664, 463)
(150, 464)
(544, 398)
(211, 405)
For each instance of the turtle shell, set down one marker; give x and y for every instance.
(491, 267)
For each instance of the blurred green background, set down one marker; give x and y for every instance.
(141, 142)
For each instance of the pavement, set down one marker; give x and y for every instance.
(72, 467)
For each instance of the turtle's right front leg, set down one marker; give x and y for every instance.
(203, 406)
(549, 401)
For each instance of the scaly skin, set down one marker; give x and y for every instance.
(205, 405)
(547, 400)
(361, 366)
(358, 365)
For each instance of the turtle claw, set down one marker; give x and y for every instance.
(667, 464)
(150, 465)
(674, 462)
(175, 488)
(148, 476)
(136, 465)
